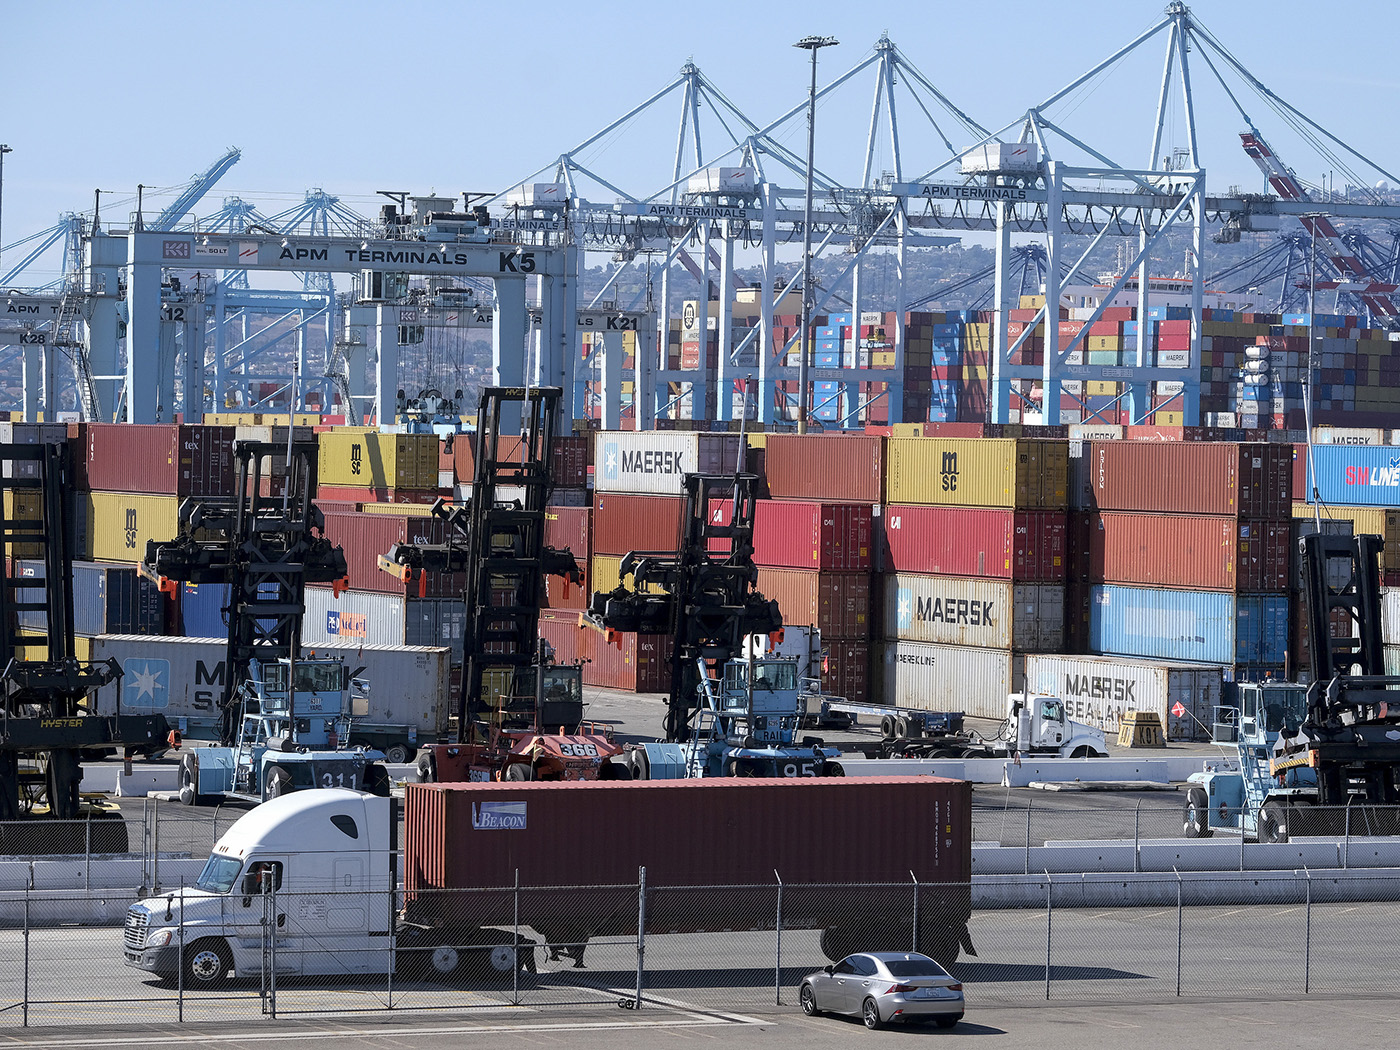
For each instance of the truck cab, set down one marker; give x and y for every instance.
(1038, 723)
(318, 868)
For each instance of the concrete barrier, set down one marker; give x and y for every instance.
(1156, 889)
(146, 780)
(1158, 770)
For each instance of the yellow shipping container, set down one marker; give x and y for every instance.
(606, 576)
(120, 523)
(369, 458)
(24, 505)
(1170, 419)
(756, 440)
(977, 472)
(884, 359)
(1373, 521)
(1105, 342)
(407, 510)
(1032, 302)
(1095, 388)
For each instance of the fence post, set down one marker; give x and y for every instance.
(393, 942)
(180, 959)
(914, 932)
(515, 947)
(778, 946)
(1307, 935)
(1028, 837)
(1346, 848)
(641, 931)
(26, 950)
(1049, 915)
(1178, 929)
(1256, 825)
(87, 851)
(1137, 844)
(272, 945)
(155, 844)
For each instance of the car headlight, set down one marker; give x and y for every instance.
(159, 938)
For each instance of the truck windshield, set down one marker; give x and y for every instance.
(779, 677)
(311, 678)
(219, 874)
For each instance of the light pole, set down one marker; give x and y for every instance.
(812, 44)
(3, 150)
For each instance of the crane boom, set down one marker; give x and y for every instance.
(1352, 272)
(195, 191)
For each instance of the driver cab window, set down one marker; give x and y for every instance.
(262, 875)
(1051, 711)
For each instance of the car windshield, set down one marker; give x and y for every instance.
(914, 968)
(219, 874)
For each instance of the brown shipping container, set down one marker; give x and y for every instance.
(848, 468)
(623, 523)
(568, 527)
(568, 461)
(847, 670)
(638, 663)
(160, 459)
(734, 832)
(837, 603)
(572, 644)
(365, 537)
(1188, 551)
(1193, 477)
(1024, 545)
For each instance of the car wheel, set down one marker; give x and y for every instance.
(1195, 819)
(397, 754)
(206, 964)
(808, 998)
(947, 1022)
(870, 1014)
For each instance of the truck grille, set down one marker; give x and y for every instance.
(135, 934)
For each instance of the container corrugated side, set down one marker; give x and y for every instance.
(107, 599)
(655, 462)
(1193, 477)
(30, 434)
(1367, 475)
(1022, 473)
(836, 603)
(1190, 551)
(799, 534)
(374, 460)
(1192, 626)
(1373, 521)
(356, 616)
(950, 677)
(168, 459)
(604, 575)
(958, 541)
(990, 614)
(639, 663)
(848, 468)
(1099, 689)
(623, 523)
(364, 537)
(120, 523)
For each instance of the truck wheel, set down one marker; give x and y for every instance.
(518, 771)
(276, 783)
(444, 960)
(426, 768)
(887, 727)
(397, 754)
(206, 963)
(1273, 822)
(901, 728)
(641, 765)
(1195, 819)
(377, 780)
(189, 780)
(614, 769)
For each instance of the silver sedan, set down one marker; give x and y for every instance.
(884, 987)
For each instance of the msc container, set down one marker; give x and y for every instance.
(1193, 477)
(1368, 475)
(184, 679)
(734, 832)
(655, 462)
(836, 603)
(951, 677)
(31, 434)
(1179, 550)
(637, 663)
(1098, 689)
(796, 534)
(169, 459)
(369, 459)
(847, 467)
(1023, 473)
(605, 574)
(107, 599)
(120, 523)
(991, 614)
(1194, 626)
(623, 523)
(955, 541)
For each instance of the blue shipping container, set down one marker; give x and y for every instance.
(1362, 475)
(202, 609)
(1199, 626)
(107, 599)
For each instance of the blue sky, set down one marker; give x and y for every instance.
(356, 97)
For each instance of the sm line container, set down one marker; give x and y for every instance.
(848, 468)
(796, 534)
(991, 614)
(654, 462)
(1178, 550)
(1362, 475)
(1193, 477)
(951, 677)
(955, 541)
(1249, 630)
(1098, 689)
(1023, 473)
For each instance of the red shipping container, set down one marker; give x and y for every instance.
(848, 467)
(1193, 477)
(637, 663)
(567, 527)
(1001, 544)
(796, 534)
(624, 523)
(836, 603)
(572, 643)
(364, 537)
(160, 459)
(568, 459)
(1191, 552)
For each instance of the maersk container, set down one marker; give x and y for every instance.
(848, 468)
(1367, 475)
(951, 677)
(971, 541)
(1022, 473)
(184, 679)
(1099, 689)
(1210, 627)
(991, 614)
(1192, 477)
(655, 462)
(1190, 551)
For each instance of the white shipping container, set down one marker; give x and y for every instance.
(533, 194)
(951, 678)
(1325, 435)
(355, 617)
(654, 462)
(990, 614)
(1095, 432)
(183, 679)
(1098, 689)
(722, 180)
(1001, 156)
(1390, 616)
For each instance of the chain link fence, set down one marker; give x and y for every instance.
(335, 953)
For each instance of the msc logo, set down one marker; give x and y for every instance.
(148, 682)
(611, 459)
(131, 527)
(948, 472)
(357, 456)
